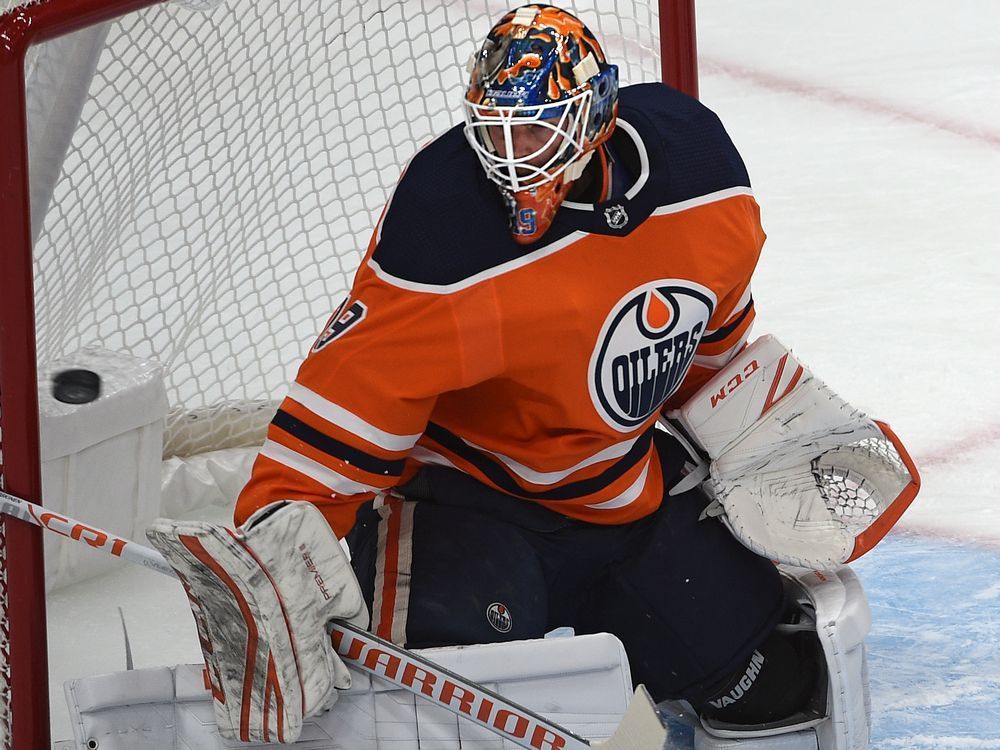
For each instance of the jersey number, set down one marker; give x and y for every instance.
(340, 322)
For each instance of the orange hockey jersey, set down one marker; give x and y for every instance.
(538, 370)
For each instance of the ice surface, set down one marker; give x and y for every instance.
(934, 655)
(872, 135)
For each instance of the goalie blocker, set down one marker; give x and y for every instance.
(261, 598)
(799, 475)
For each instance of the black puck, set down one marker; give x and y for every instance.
(76, 386)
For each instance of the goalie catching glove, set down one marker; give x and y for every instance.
(261, 598)
(801, 476)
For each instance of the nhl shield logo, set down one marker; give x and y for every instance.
(499, 617)
(616, 216)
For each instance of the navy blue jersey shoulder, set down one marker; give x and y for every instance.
(690, 152)
(447, 222)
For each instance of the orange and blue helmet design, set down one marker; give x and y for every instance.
(541, 98)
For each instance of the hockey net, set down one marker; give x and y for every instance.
(203, 185)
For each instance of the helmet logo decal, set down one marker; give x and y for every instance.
(645, 349)
(616, 216)
(529, 61)
(499, 617)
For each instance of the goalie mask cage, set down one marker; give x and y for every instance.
(196, 186)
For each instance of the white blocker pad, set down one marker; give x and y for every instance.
(838, 604)
(261, 597)
(581, 682)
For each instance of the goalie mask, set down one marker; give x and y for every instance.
(541, 99)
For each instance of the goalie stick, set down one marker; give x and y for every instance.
(640, 728)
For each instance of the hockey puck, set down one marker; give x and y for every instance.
(76, 386)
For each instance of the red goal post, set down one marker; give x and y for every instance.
(324, 77)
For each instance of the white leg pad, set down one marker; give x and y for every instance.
(581, 682)
(843, 620)
(802, 740)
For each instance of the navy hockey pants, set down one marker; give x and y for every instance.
(459, 563)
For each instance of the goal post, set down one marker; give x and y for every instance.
(199, 191)
(679, 45)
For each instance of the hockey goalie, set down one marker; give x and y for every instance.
(537, 409)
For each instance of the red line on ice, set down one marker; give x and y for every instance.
(786, 85)
(951, 453)
(956, 450)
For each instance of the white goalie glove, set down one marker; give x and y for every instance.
(261, 596)
(802, 477)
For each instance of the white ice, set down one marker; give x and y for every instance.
(872, 135)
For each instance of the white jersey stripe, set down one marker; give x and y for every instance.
(744, 301)
(718, 361)
(702, 200)
(737, 309)
(542, 252)
(552, 477)
(314, 470)
(628, 496)
(427, 456)
(346, 420)
(489, 273)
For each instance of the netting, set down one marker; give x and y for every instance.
(859, 481)
(227, 171)
(8, 5)
(203, 185)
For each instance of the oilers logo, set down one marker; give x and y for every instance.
(499, 617)
(645, 349)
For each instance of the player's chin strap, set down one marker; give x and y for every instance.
(797, 473)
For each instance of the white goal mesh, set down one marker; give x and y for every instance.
(227, 171)
(203, 185)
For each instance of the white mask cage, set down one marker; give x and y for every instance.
(486, 126)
